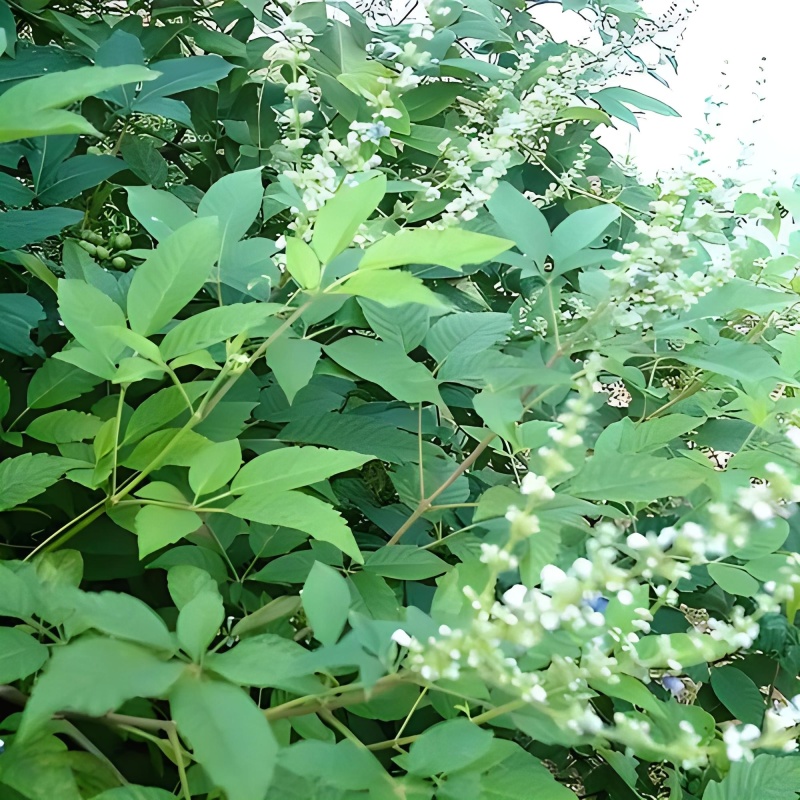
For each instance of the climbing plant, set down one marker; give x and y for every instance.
(369, 430)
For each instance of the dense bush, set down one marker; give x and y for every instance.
(368, 430)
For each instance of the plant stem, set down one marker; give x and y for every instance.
(172, 735)
(425, 504)
(487, 716)
(348, 695)
(208, 404)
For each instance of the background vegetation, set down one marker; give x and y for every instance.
(368, 431)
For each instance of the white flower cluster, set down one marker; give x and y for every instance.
(598, 610)
(652, 276)
(779, 731)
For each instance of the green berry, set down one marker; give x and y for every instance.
(102, 253)
(94, 150)
(88, 247)
(118, 262)
(96, 238)
(122, 241)
(86, 235)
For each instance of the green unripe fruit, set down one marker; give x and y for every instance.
(86, 235)
(102, 253)
(88, 247)
(118, 262)
(94, 150)
(122, 241)
(96, 238)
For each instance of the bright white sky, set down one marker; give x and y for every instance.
(739, 32)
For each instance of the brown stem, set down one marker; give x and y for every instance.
(15, 696)
(425, 504)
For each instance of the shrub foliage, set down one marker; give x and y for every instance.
(368, 431)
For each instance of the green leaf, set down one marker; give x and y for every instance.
(20, 655)
(160, 213)
(156, 411)
(186, 582)
(293, 361)
(18, 228)
(386, 365)
(172, 275)
(215, 466)
(214, 325)
(32, 108)
(765, 778)
(615, 99)
(25, 476)
(458, 335)
(57, 382)
(300, 512)
(266, 661)
(142, 156)
(95, 676)
(280, 607)
(39, 770)
(522, 775)
(628, 477)
(200, 620)
(343, 765)
(38, 268)
(16, 598)
(448, 747)
(389, 288)
(354, 432)
(135, 793)
(738, 360)
(14, 193)
(340, 218)
(90, 316)
(580, 229)
(76, 175)
(181, 74)
(122, 616)
(302, 263)
(293, 468)
(19, 316)
(738, 694)
(229, 735)
(450, 247)
(405, 562)
(734, 580)
(403, 325)
(235, 201)
(62, 426)
(521, 221)
(326, 601)
(157, 527)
